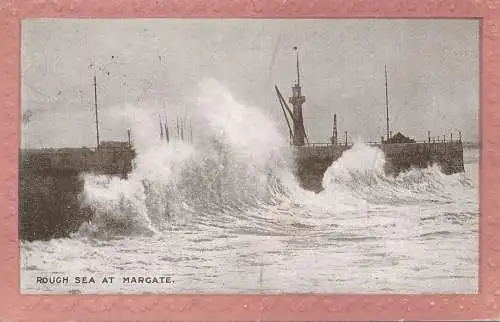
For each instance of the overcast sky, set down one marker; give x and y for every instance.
(432, 65)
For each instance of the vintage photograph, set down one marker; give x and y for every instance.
(257, 156)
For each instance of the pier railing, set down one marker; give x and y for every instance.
(329, 150)
(377, 143)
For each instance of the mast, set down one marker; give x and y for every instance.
(386, 103)
(96, 113)
(334, 134)
(167, 136)
(298, 68)
(161, 129)
(182, 128)
(178, 129)
(191, 130)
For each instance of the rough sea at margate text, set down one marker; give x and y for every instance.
(104, 280)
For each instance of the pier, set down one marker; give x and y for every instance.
(312, 160)
(50, 185)
(51, 180)
(401, 153)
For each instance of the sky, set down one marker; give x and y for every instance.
(432, 64)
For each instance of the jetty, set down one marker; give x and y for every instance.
(311, 160)
(51, 180)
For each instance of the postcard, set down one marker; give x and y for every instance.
(249, 156)
(329, 161)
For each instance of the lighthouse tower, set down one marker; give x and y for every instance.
(297, 100)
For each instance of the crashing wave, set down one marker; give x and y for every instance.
(239, 164)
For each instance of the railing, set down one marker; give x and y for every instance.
(371, 143)
(331, 151)
(434, 139)
(319, 144)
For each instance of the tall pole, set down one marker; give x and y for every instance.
(298, 68)
(182, 128)
(161, 128)
(167, 136)
(386, 103)
(191, 130)
(334, 135)
(178, 129)
(96, 113)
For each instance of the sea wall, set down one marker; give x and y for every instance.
(50, 181)
(50, 186)
(49, 204)
(401, 157)
(312, 161)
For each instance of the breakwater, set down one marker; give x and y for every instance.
(50, 181)
(50, 184)
(313, 160)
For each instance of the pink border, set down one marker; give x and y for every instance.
(13, 306)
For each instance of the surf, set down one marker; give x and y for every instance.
(239, 167)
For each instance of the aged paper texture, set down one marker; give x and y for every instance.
(170, 161)
(227, 168)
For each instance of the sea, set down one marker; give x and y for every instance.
(223, 213)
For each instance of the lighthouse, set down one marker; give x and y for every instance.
(297, 100)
